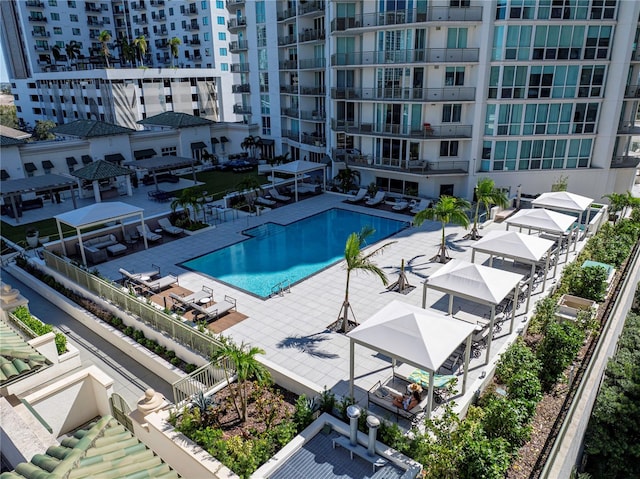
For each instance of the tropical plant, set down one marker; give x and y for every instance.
(104, 38)
(251, 143)
(617, 203)
(347, 179)
(355, 260)
(72, 49)
(560, 184)
(173, 44)
(590, 283)
(486, 194)
(188, 199)
(8, 116)
(42, 130)
(448, 209)
(252, 187)
(127, 51)
(558, 348)
(56, 51)
(243, 358)
(141, 45)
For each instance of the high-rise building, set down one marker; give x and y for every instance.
(425, 97)
(117, 60)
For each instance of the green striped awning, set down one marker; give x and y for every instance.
(30, 167)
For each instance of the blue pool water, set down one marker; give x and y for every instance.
(276, 253)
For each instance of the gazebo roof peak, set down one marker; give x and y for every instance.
(101, 170)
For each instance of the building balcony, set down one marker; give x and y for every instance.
(290, 112)
(239, 67)
(157, 3)
(405, 94)
(289, 89)
(311, 35)
(38, 18)
(312, 63)
(241, 109)
(410, 166)
(162, 32)
(192, 27)
(118, 10)
(243, 88)
(632, 91)
(161, 44)
(625, 162)
(286, 14)
(313, 115)
(232, 5)
(141, 21)
(42, 48)
(236, 23)
(138, 6)
(318, 90)
(291, 135)
(34, 4)
(313, 140)
(197, 56)
(92, 7)
(286, 40)
(194, 41)
(311, 7)
(41, 34)
(428, 132)
(192, 10)
(427, 55)
(240, 45)
(628, 128)
(289, 65)
(403, 17)
(94, 22)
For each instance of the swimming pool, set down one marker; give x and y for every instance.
(275, 253)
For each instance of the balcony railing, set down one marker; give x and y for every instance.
(233, 4)
(632, 91)
(291, 135)
(312, 115)
(405, 94)
(310, 7)
(41, 34)
(286, 40)
(41, 48)
(239, 45)
(286, 14)
(192, 27)
(241, 109)
(37, 18)
(239, 67)
(629, 128)
(403, 17)
(290, 112)
(427, 55)
(625, 162)
(416, 166)
(291, 89)
(92, 8)
(138, 6)
(313, 140)
(307, 90)
(162, 32)
(432, 132)
(289, 65)
(237, 23)
(243, 88)
(312, 63)
(34, 4)
(311, 35)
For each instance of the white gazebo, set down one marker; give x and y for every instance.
(422, 338)
(94, 215)
(476, 283)
(540, 219)
(518, 247)
(565, 201)
(298, 169)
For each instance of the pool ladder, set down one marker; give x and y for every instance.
(280, 288)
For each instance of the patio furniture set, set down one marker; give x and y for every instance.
(202, 304)
(98, 249)
(148, 282)
(160, 196)
(414, 206)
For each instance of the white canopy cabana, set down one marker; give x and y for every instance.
(97, 214)
(298, 169)
(476, 283)
(565, 201)
(540, 219)
(422, 338)
(517, 246)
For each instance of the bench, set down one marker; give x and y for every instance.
(383, 397)
(358, 450)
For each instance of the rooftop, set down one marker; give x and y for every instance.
(90, 129)
(173, 119)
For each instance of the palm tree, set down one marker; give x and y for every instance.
(56, 51)
(104, 38)
(487, 194)
(448, 209)
(188, 198)
(355, 260)
(72, 49)
(173, 43)
(252, 186)
(251, 143)
(127, 52)
(246, 365)
(141, 45)
(619, 202)
(347, 178)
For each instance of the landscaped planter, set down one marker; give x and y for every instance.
(569, 306)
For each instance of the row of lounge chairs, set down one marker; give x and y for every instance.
(198, 302)
(401, 205)
(149, 281)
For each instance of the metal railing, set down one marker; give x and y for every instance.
(147, 313)
(405, 94)
(204, 379)
(425, 55)
(280, 288)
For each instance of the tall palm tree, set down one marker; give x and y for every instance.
(487, 194)
(72, 49)
(247, 367)
(104, 38)
(354, 261)
(252, 186)
(141, 45)
(56, 51)
(173, 43)
(448, 209)
(127, 52)
(347, 179)
(619, 202)
(251, 143)
(188, 198)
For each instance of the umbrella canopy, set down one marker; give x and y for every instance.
(513, 245)
(563, 200)
(98, 213)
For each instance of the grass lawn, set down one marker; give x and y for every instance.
(217, 183)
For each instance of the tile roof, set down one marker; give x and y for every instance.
(7, 141)
(101, 170)
(106, 449)
(90, 129)
(17, 357)
(174, 119)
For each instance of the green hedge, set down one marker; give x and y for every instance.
(40, 328)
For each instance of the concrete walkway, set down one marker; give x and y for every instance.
(130, 378)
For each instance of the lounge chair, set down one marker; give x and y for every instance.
(212, 313)
(148, 283)
(418, 207)
(167, 227)
(184, 302)
(376, 200)
(145, 232)
(359, 196)
(277, 196)
(400, 206)
(261, 200)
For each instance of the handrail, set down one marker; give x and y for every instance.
(279, 289)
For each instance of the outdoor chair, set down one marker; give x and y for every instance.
(183, 303)
(421, 206)
(400, 206)
(376, 200)
(212, 313)
(167, 227)
(278, 197)
(261, 200)
(145, 232)
(359, 196)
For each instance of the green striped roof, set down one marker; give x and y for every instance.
(17, 357)
(101, 170)
(174, 119)
(105, 450)
(90, 129)
(8, 141)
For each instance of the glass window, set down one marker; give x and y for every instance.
(448, 148)
(222, 36)
(53, 3)
(57, 30)
(224, 67)
(203, 5)
(56, 16)
(220, 20)
(71, 4)
(205, 20)
(451, 113)
(260, 15)
(223, 52)
(454, 76)
(73, 18)
(220, 4)
(206, 37)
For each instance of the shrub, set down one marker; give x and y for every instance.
(303, 415)
(327, 401)
(557, 349)
(483, 457)
(526, 388)
(544, 312)
(39, 328)
(516, 358)
(590, 283)
(506, 419)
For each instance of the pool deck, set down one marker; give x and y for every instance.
(292, 328)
